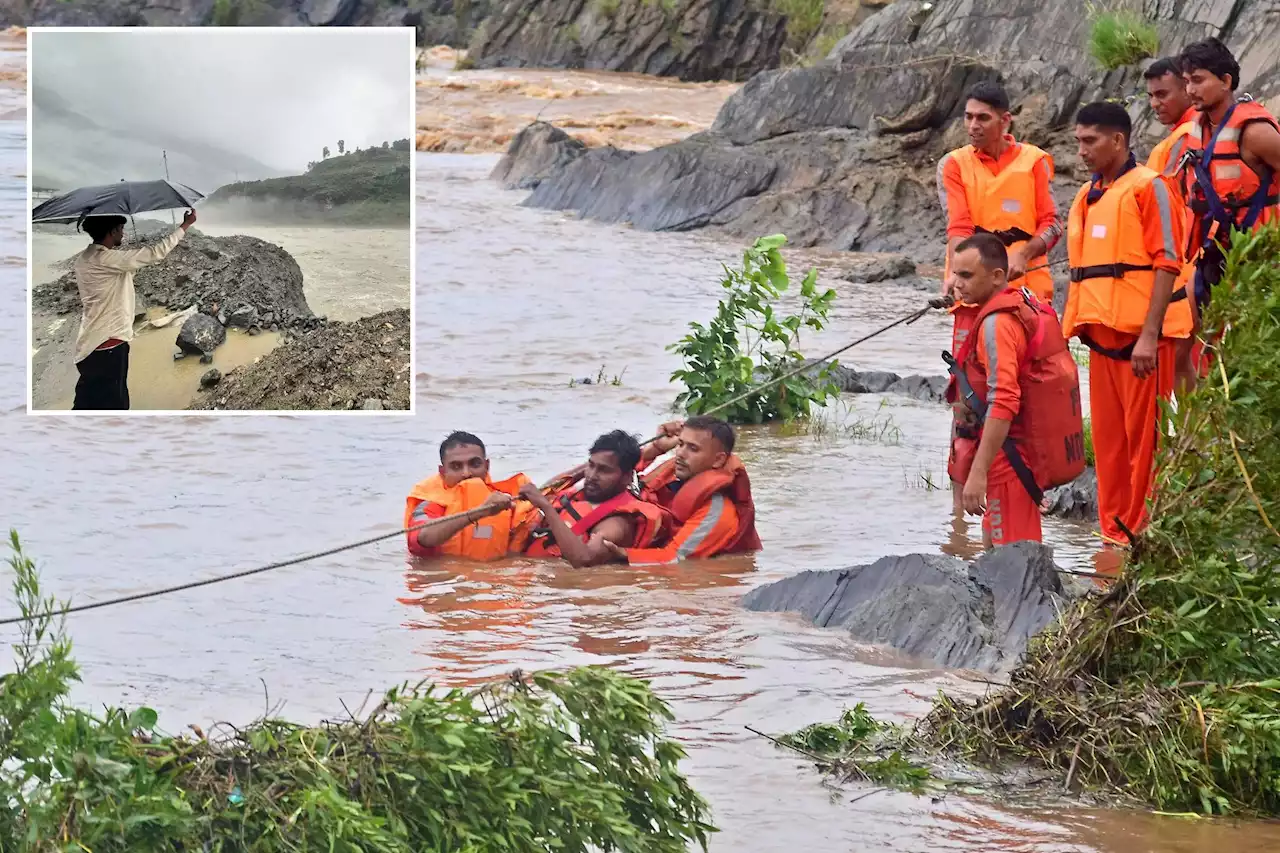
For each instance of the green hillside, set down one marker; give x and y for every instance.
(359, 187)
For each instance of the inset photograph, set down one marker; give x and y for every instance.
(221, 219)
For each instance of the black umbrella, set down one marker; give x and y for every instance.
(119, 199)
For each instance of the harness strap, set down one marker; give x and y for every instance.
(1124, 353)
(1008, 236)
(1107, 271)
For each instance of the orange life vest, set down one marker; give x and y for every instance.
(731, 480)
(1222, 190)
(652, 522)
(1166, 157)
(1005, 205)
(1112, 276)
(487, 539)
(1045, 446)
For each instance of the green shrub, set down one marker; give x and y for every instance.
(1121, 37)
(572, 761)
(748, 343)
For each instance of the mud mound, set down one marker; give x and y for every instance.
(362, 364)
(218, 275)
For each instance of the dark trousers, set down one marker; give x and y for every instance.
(104, 379)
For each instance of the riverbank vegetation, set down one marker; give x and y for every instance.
(1165, 686)
(750, 341)
(571, 761)
(1120, 37)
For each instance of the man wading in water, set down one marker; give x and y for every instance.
(104, 277)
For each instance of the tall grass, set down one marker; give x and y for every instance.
(1121, 37)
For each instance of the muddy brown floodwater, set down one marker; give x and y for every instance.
(512, 304)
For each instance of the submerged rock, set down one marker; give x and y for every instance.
(539, 150)
(976, 615)
(1077, 499)
(201, 335)
(928, 389)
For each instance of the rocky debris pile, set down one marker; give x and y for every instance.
(242, 281)
(694, 40)
(358, 365)
(843, 154)
(929, 389)
(954, 614)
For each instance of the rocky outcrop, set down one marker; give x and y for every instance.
(339, 366)
(689, 39)
(224, 277)
(928, 389)
(843, 154)
(1077, 499)
(939, 609)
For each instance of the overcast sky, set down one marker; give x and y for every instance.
(278, 96)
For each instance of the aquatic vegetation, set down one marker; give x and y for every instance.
(1167, 685)
(1120, 37)
(843, 422)
(749, 342)
(860, 747)
(602, 377)
(572, 761)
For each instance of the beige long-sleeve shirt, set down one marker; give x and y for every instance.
(104, 278)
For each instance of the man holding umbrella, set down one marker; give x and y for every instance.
(104, 277)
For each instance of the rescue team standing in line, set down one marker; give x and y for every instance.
(1141, 240)
(1145, 247)
(697, 504)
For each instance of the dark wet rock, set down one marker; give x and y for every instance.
(242, 317)
(537, 151)
(1077, 499)
(211, 377)
(337, 366)
(689, 39)
(872, 268)
(939, 609)
(929, 389)
(201, 335)
(221, 276)
(843, 154)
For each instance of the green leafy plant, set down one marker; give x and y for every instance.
(571, 761)
(804, 17)
(1121, 37)
(858, 746)
(748, 343)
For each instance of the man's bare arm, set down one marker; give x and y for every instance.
(1262, 141)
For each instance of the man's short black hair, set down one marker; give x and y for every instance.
(98, 227)
(1210, 55)
(990, 248)
(990, 93)
(459, 439)
(620, 444)
(719, 430)
(1162, 66)
(1106, 115)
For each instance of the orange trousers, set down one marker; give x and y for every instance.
(1011, 514)
(1125, 414)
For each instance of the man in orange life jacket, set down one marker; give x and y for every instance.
(576, 523)
(992, 364)
(705, 488)
(999, 185)
(1232, 179)
(462, 488)
(1167, 95)
(1123, 237)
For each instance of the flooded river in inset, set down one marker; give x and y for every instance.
(512, 304)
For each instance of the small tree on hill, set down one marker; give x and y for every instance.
(326, 152)
(341, 146)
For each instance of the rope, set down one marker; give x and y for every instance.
(124, 599)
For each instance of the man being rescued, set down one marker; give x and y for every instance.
(576, 523)
(997, 185)
(462, 487)
(705, 488)
(1124, 234)
(1167, 95)
(1232, 174)
(1016, 398)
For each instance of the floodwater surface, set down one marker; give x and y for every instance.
(512, 304)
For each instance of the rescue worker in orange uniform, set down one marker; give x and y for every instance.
(1233, 178)
(990, 369)
(462, 485)
(706, 489)
(1002, 186)
(1123, 237)
(1167, 95)
(575, 523)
